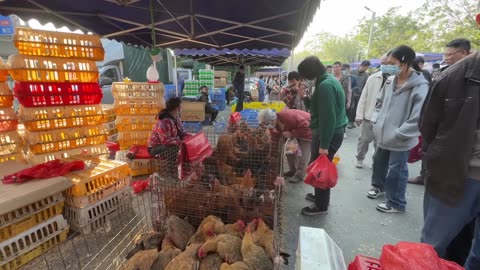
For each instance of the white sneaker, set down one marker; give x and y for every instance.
(345, 135)
(359, 164)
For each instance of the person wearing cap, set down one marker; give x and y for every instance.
(292, 124)
(239, 85)
(360, 75)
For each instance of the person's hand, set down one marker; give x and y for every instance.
(323, 152)
(358, 122)
(301, 92)
(347, 106)
(287, 134)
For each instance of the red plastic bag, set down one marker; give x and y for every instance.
(235, 118)
(140, 185)
(322, 173)
(414, 256)
(45, 170)
(196, 148)
(416, 152)
(138, 152)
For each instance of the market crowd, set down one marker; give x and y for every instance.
(407, 113)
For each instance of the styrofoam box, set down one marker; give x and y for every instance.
(29, 240)
(316, 250)
(91, 218)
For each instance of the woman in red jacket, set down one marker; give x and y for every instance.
(292, 123)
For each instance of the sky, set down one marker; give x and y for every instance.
(339, 17)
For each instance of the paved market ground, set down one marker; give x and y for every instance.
(353, 222)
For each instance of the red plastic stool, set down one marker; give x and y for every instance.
(364, 263)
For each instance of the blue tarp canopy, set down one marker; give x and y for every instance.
(253, 57)
(220, 24)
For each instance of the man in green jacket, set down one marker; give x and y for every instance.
(328, 121)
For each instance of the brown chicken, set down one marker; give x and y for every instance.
(225, 171)
(227, 246)
(168, 252)
(145, 241)
(222, 194)
(226, 150)
(245, 182)
(187, 260)
(179, 231)
(235, 229)
(211, 262)
(263, 236)
(235, 266)
(254, 256)
(142, 260)
(209, 227)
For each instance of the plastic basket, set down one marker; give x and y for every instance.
(91, 218)
(192, 127)
(3, 71)
(140, 166)
(31, 221)
(133, 135)
(112, 138)
(6, 96)
(13, 157)
(129, 123)
(62, 134)
(78, 122)
(59, 112)
(8, 120)
(32, 238)
(109, 126)
(276, 106)
(57, 94)
(5, 90)
(24, 212)
(57, 44)
(103, 175)
(67, 144)
(109, 113)
(46, 69)
(112, 132)
(125, 144)
(97, 150)
(138, 106)
(121, 90)
(36, 252)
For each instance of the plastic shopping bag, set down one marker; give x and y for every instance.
(292, 147)
(414, 256)
(45, 170)
(196, 148)
(322, 173)
(416, 152)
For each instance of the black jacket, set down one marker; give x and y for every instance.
(448, 127)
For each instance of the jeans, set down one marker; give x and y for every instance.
(241, 96)
(443, 222)
(365, 139)
(390, 173)
(322, 196)
(298, 164)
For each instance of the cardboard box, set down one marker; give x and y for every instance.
(221, 82)
(220, 74)
(254, 94)
(193, 111)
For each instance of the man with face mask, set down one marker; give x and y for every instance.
(365, 109)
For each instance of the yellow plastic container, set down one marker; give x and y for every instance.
(122, 90)
(77, 122)
(31, 221)
(48, 69)
(67, 144)
(277, 106)
(133, 135)
(130, 123)
(125, 144)
(59, 112)
(38, 251)
(63, 134)
(138, 106)
(3, 71)
(95, 150)
(15, 156)
(57, 44)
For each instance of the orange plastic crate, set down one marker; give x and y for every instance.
(6, 96)
(15, 156)
(138, 106)
(97, 150)
(77, 122)
(125, 144)
(46, 69)
(121, 90)
(133, 135)
(63, 134)
(67, 144)
(8, 120)
(3, 71)
(40, 113)
(31, 221)
(57, 44)
(9, 143)
(130, 123)
(101, 176)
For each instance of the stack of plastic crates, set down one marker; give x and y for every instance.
(56, 85)
(170, 91)
(30, 231)
(276, 106)
(218, 98)
(191, 88)
(251, 117)
(9, 139)
(99, 193)
(110, 127)
(206, 77)
(139, 166)
(136, 106)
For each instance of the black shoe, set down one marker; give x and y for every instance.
(313, 210)
(310, 197)
(351, 126)
(289, 174)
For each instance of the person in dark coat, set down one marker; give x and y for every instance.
(239, 84)
(208, 106)
(451, 128)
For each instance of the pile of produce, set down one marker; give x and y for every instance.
(213, 245)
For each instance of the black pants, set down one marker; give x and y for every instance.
(241, 96)
(322, 196)
(213, 114)
(352, 111)
(168, 153)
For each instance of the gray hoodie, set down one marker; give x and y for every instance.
(397, 113)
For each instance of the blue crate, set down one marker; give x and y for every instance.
(192, 127)
(218, 94)
(170, 91)
(219, 105)
(220, 127)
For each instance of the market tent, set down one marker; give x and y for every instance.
(220, 24)
(254, 57)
